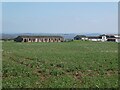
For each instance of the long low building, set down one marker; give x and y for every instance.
(39, 39)
(95, 38)
(103, 38)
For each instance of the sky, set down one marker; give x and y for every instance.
(60, 17)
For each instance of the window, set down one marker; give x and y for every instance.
(34, 40)
(25, 40)
(45, 39)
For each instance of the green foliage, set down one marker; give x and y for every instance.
(60, 65)
(56, 72)
(78, 64)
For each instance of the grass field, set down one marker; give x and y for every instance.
(77, 64)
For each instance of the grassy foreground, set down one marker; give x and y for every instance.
(77, 64)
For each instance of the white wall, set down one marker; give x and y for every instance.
(95, 39)
(117, 40)
(104, 38)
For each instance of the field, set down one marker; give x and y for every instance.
(77, 64)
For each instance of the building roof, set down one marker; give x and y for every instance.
(94, 37)
(112, 38)
(118, 37)
(41, 36)
(79, 36)
(115, 38)
(117, 34)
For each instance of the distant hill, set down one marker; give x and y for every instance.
(93, 34)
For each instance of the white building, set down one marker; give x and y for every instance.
(103, 38)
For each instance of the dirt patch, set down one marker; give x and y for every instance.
(78, 75)
(111, 72)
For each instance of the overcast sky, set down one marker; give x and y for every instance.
(51, 17)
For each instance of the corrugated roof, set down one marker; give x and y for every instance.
(114, 38)
(41, 36)
(94, 37)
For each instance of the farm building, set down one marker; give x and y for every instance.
(79, 37)
(113, 38)
(95, 38)
(117, 36)
(103, 38)
(39, 39)
(90, 38)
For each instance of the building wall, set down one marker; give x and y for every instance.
(42, 39)
(84, 38)
(117, 40)
(104, 38)
(116, 35)
(95, 39)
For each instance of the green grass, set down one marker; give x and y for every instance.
(78, 64)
